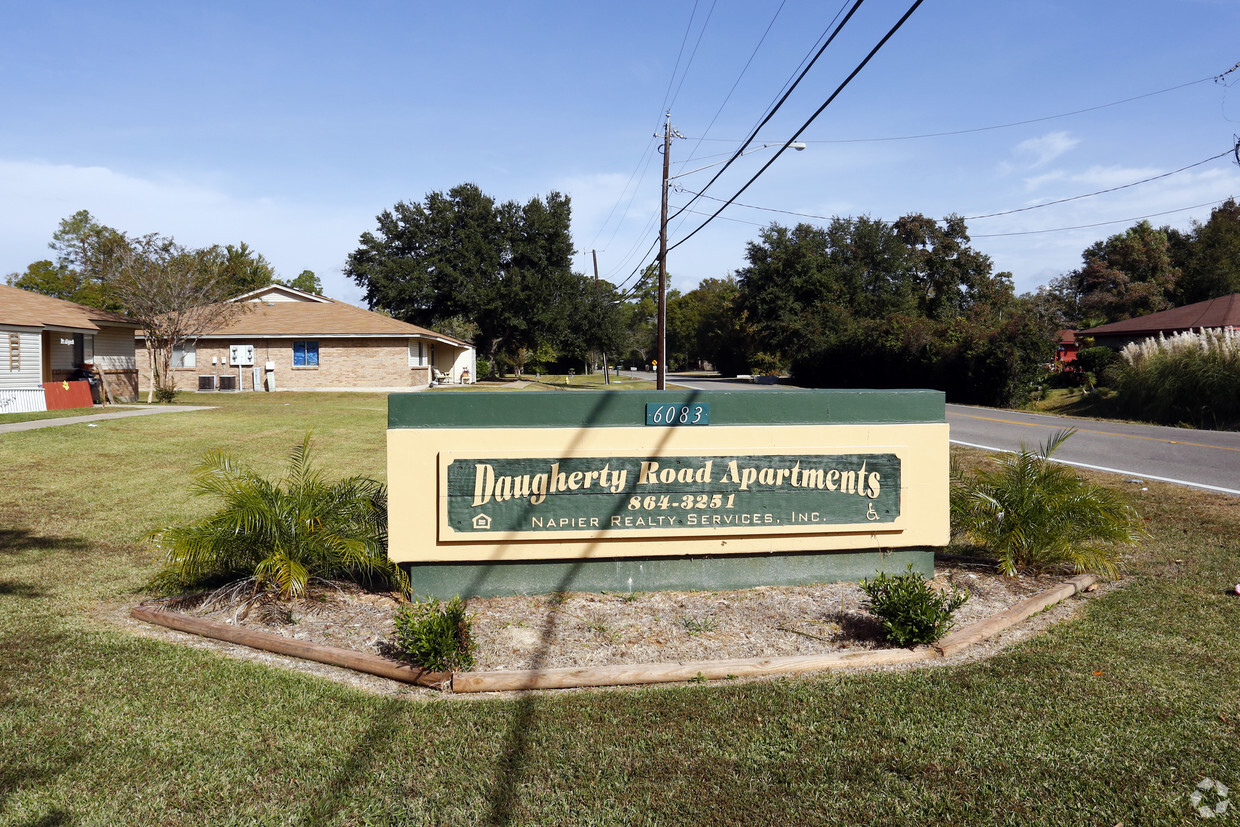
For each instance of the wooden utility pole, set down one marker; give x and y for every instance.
(606, 375)
(661, 368)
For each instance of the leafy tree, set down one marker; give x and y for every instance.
(506, 267)
(1034, 514)
(306, 281)
(83, 249)
(57, 281)
(1127, 275)
(789, 290)
(281, 533)
(640, 319)
(702, 325)
(596, 326)
(174, 292)
(245, 270)
(1210, 256)
(864, 303)
(950, 278)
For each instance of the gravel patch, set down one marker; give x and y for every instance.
(583, 629)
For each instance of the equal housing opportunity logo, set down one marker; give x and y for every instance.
(1210, 798)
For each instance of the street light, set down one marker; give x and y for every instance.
(797, 145)
(660, 381)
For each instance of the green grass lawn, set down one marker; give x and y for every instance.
(1110, 718)
(1097, 404)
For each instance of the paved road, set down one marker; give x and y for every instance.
(1200, 459)
(710, 383)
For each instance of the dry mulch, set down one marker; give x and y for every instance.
(582, 629)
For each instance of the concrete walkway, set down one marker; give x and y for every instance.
(11, 427)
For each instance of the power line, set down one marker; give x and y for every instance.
(992, 127)
(1098, 224)
(812, 118)
(781, 102)
(676, 68)
(1014, 123)
(1234, 150)
(739, 77)
(692, 54)
(802, 67)
(1105, 191)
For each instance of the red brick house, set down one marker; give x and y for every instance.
(1066, 348)
(288, 339)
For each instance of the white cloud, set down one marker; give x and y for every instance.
(293, 237)
(1037, 152)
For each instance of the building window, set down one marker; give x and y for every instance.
(185, 355)
(306, 354)
(419, 353)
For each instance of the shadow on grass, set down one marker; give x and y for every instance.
(515, 757)
(356, 769)
(16, 656)
(14, 778)
(15, 540)
(18, 588)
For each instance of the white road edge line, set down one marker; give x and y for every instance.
(1109, 470)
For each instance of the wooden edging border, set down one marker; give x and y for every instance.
(644, 673)
(266, 641)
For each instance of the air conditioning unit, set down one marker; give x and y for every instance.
(228, 383)
(206, 383)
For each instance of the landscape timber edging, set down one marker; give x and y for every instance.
(618, 674)
(268, 642)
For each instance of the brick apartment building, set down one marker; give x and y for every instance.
(287, 339)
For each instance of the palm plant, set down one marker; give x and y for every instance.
(1034, 514)
(282, 533)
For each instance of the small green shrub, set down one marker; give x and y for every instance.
(1034, 514)
(435, 635)
(282, 533)
(911, 611)
(1096, 360)
(767, 364)
(165, 395)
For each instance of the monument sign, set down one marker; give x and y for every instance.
(493, 493)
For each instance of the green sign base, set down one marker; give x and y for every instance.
(630, 574)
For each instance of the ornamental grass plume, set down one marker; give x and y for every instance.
(1191, 377)
(282, 534)
(1034, 514)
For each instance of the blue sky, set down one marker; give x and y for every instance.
(290, 126)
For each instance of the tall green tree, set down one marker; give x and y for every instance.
(866, 303)
(55, 280)
(460, 255)
(808, 282)
(245, 270)
(84, 251)
(306, 281)
(702, 326)
(1129, 274)
(949, 279)
(596, 326)
(1210, 260)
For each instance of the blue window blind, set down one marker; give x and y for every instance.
(305, 354)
